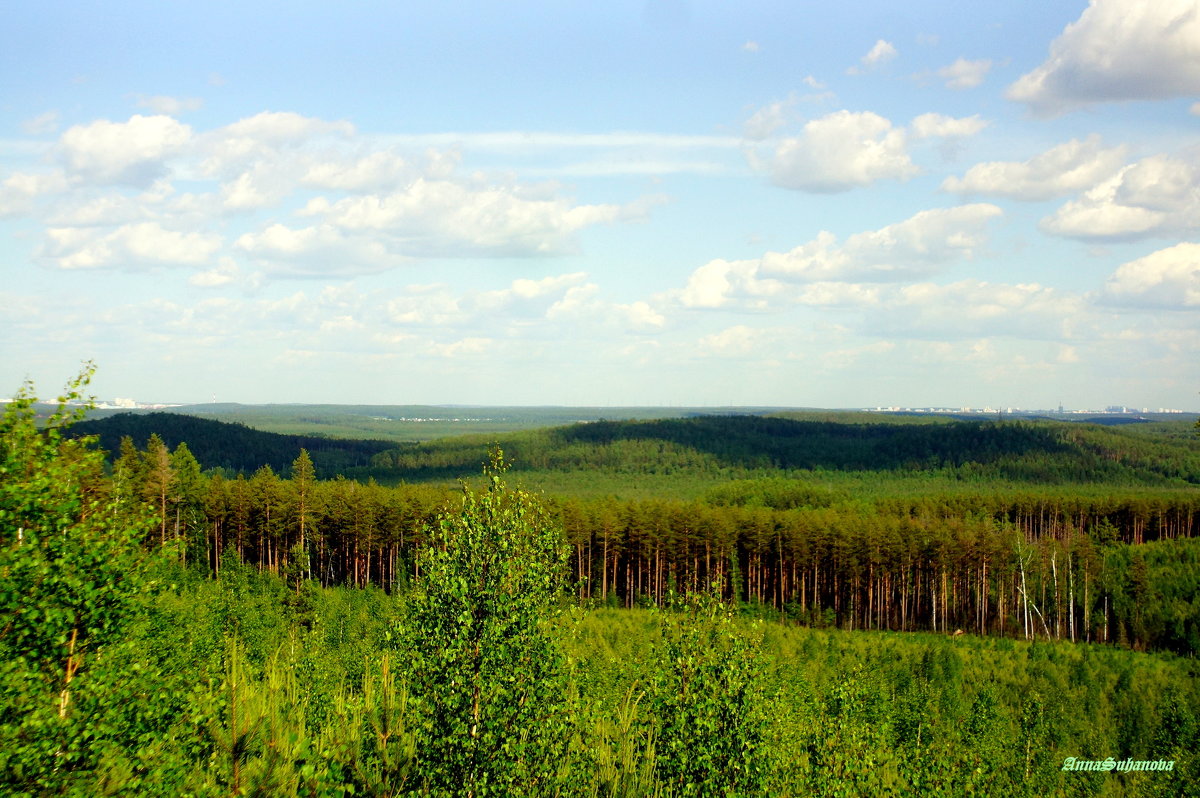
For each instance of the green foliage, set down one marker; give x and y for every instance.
(70, 577)
(707, 701)
(263, 681)
(488, 678)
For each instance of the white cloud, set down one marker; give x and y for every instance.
(750, 47)
(838, 152)
(839, 294)
(964, 74)
(722, 283)
(317, 251)
(19, 191)
(526, 297)
(238, 146)
(1168, 278)
(381, 202)
(640, 316)
(131, 246)
(426, 305)
(581, 305)
(1072, 166)
(880, 53)
(282, 127)
(224, 273)
(916, 246)
(1158, 195)
(947, 127)
(1117, 50)
(171, 106)
(971, 308)
(133, 153)
(375, 171)
(439, 217)
(766, 120)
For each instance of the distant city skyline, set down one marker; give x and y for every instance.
(631, 203)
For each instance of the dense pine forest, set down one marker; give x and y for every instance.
(1021, 529)
(799, 607)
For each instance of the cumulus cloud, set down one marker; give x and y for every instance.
(1158, 195)
(132, 246)
(880, 53)
(438, 217)
(19, 191)
(316, 251)
(231, 149)
(375, 205)
(133, 153)
(526, 298)
(947, 127)
(721, 283)
(581, 304)
(917, 246)
(1117, 51)
(425, 305)
(838, 152)
(964, 74)
(1072, 166)
(372, 172)
(1167, 279)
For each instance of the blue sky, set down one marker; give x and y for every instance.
(966, 204)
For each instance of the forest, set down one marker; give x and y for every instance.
(1022, 530)
(801, 608)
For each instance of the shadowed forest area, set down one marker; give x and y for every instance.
(800, 608)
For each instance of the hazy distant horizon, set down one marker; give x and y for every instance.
(984, 409)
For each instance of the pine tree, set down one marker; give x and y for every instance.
(157, 479)
(303, 477)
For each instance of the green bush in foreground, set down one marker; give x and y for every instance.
(70, 574)
(488, 678)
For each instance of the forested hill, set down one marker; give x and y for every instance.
(217, 444)
(1017, 450)
(1043, 452)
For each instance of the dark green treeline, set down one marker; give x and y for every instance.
(1038, 564)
